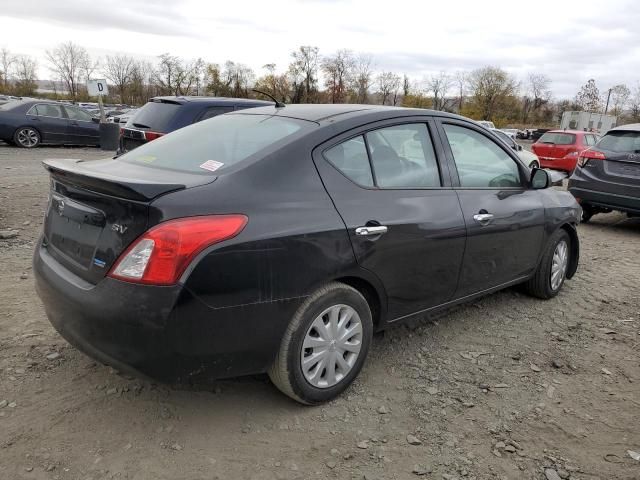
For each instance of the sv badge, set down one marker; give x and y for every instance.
(119, 228)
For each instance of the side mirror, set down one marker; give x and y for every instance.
(539, 179)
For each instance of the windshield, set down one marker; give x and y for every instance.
(219, 142)
(558, 138)
(621, 141)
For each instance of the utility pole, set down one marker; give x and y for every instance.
(608, 97)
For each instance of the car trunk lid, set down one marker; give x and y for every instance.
(97, 208)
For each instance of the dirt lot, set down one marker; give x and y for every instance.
(502, 388)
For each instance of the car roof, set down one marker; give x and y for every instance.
(559, 130)
(325, 113)
(215, 100)
(631, 127)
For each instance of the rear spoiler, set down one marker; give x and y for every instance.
(122, 179)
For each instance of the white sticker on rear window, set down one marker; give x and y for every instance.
(211, 165)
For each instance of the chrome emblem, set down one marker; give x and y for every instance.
(119, 228)
(60, 207)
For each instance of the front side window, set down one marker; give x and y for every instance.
(402, 156)
(480, 162)
(77, 114)
(351, 159)
(48, 110)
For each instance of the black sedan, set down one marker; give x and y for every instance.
(29, 123)
(279, 239)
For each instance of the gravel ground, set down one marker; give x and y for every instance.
(506, 387)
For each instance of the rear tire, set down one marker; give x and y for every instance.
(295, 370)
(587, 213)
(551, 272)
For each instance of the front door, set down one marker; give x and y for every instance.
(82, 130)
(403, 219)
(504, 218)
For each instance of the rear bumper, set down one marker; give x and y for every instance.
(164, 333)
(565, 164)
(613, 201)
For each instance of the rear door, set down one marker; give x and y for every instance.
(403, 218)
(82, 130)
(504, 219)
(51, 121)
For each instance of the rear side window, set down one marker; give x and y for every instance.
(558, 138)
(215, 111)
(216, 143)
(77, 114)
(156, 116)
(403, 157)
(351, 159)
(621, 142)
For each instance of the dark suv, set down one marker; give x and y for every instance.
(607, 176)
(162, 115)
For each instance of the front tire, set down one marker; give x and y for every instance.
(552, 269)
(324, 346)
(27, 137)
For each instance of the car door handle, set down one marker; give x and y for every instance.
(370, 231)
(483, 218)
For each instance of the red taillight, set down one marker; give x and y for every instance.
(163, 253)
(587, 155)
(148, 136)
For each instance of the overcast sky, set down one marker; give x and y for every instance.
(568, 40)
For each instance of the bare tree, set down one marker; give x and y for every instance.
(7, 59)
(388, 86)
(362, 78)
(140, 87)
(71, 64)
(589, 97)
(439, 85)
(491, 90)
(461, 78)
(538, 94)
(25, 74)
(274, 83)
(619, 99)
(119, 69)
(634, 104)
(338, 70)
(303, 70)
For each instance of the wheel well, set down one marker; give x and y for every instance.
(575, 248)
(370, 294)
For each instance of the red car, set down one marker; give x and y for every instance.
(560, 149)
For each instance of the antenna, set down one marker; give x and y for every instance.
(278, 104)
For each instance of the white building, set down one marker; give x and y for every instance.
(591, 122)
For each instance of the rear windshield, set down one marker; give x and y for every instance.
(621, 141)
(156, 116)
(10, 105)
(216, 143)
(558, 138)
